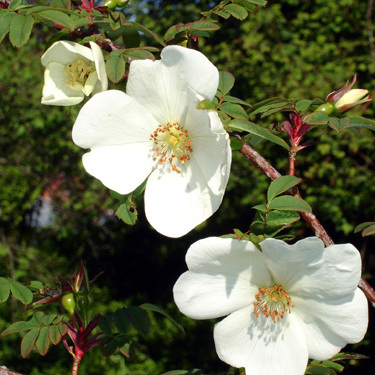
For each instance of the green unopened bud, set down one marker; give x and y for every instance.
(69, 303)
(83, 302)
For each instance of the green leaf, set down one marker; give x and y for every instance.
(43, 342)
(280, 185)
(317, 370)
(139, 54)
(28, 342)
(4, 289)
(362, 226)
(249, 7)
(58, 319)
(127, 350)
(37, 319)
(286, 108)
(151, 307)
(121, 320)
(139, 319)
(146, 31)
(37, 284)
(338, 124)
(20, 29)
(238, 234)
(279, 218)
(139, 190)
(317, 118)
(131, 38)
(232, 99)
(63, 328)
(236, 11)
(347, 356)
(127, 212)
(121, 198)
(110, 348)
(261, 207)
(174, 30)
(17, 327)
(361, 122)
(5, 20)
(259, 2)
(14, 4)
(48, 319)
(83, 21)
(21, 292)
(222, 13)
(302, 105)
(234, 110)
(235, 144)
(287, 202)
(105, 325)
(58, 17)
(206, 104)
(272, 104)
(334, 365)
(369, 231)
(64, 4)
(115, 67)
(54, 334)
(204, 25)
(251, 127)
(226, 82)
(36, 9)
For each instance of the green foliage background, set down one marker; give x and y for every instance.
(291, 48)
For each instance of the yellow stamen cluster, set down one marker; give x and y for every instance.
(272, 302)
(76, 74)
(172, 144)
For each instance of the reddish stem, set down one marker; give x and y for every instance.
(76, 363)
(292, 162)
(309, 217)
(369, 292)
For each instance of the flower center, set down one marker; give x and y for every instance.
(172, 145)
(272, 302)
(76, 74)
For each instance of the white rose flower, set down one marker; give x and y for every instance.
(72, 71)
(285, 304)
(155, 131)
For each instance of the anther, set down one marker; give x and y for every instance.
(272, 302)
(173, 144)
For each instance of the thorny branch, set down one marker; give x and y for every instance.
(309, 217)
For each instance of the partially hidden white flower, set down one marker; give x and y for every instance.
(72, 71)
(155, 131)
(285, 304)
(354, 96)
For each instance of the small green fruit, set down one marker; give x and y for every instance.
(69, 303)
(111, 4)
(328, 108)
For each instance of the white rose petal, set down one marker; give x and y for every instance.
(72, 71)
(155, 131)
(286, 304)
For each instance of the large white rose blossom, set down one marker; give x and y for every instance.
(72, 71)
(155, 132)
(285, 304)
